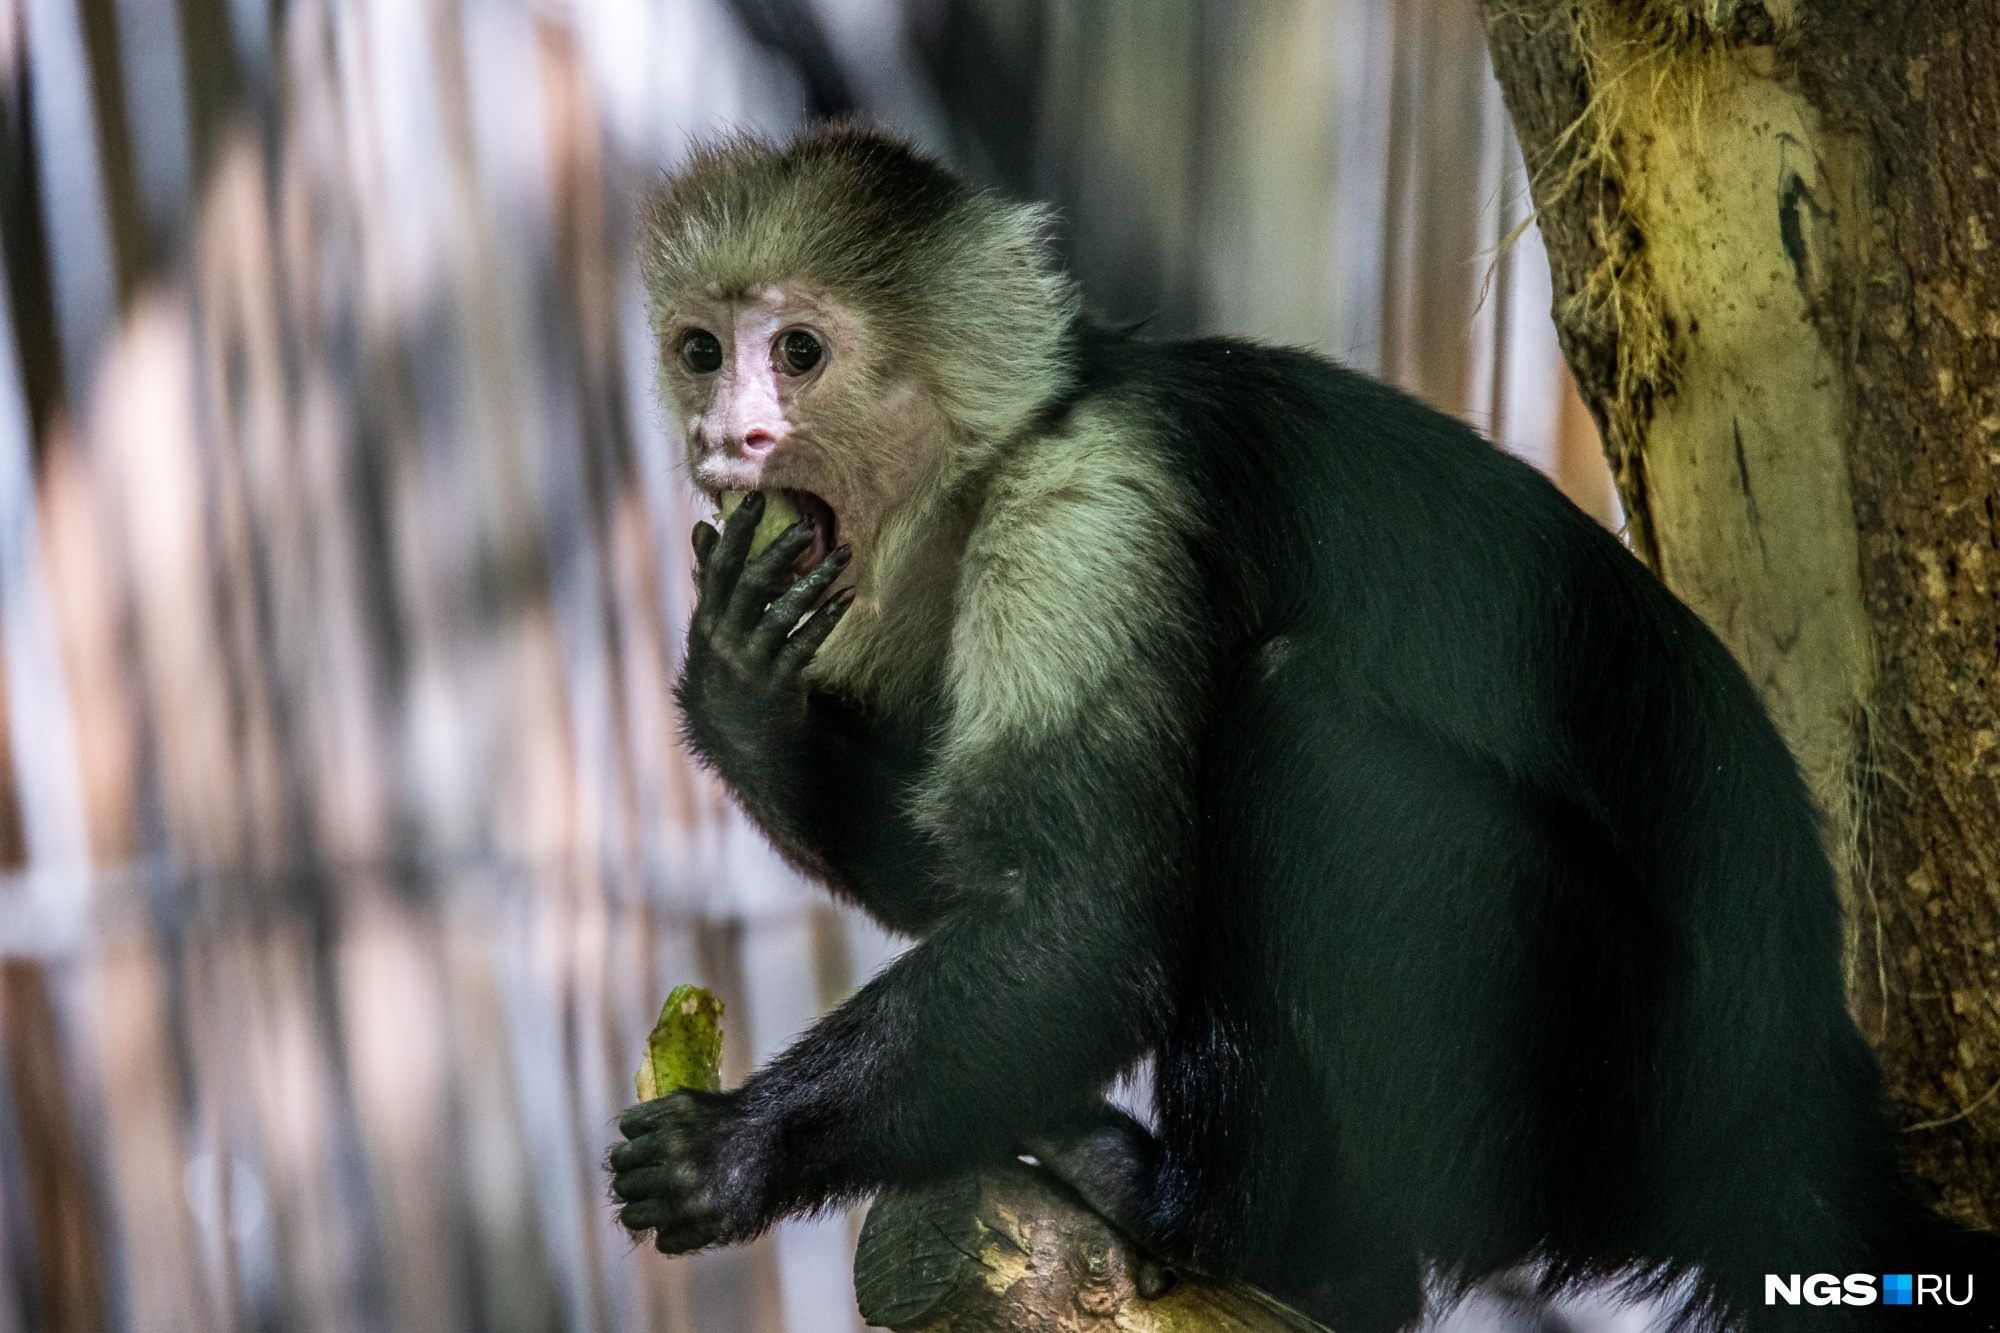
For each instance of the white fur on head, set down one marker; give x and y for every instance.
(956, 280)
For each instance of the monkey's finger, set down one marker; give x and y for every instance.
(666, 1180)
(799, 649)
(691, 1221)
(768, 574)
(704, 538)
(644, 1118)
(648, 1149)
(666, 1217)
(688, 1237)
(796, 601)
(725, 564)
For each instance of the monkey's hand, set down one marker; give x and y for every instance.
(688, 1171)
(743, 687)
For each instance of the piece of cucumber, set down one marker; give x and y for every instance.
(684, 1050)
(779, 513)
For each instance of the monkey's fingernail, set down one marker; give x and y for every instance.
(842, 554)
(753, 498)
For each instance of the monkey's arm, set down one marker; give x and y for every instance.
(995, 1029)
(847, 820)
(1062, 803)
(828, 787)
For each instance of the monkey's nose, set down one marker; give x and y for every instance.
(759, 442)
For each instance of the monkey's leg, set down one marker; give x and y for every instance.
(1469, 978)
(1248, 1180)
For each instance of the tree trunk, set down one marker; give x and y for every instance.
(1770, 226)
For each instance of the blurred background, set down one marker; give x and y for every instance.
(346, 847)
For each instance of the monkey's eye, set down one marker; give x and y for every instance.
(701, 352)
(798, 352)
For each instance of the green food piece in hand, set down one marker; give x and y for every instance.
(684, 1050)
(779, 513)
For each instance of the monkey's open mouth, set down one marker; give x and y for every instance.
(825, 525)
(782, 509)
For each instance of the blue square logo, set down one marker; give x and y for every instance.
(1895, 1289)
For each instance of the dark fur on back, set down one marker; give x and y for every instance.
(1515, 938)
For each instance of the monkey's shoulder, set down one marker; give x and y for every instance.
(1288, 450)
(1190, 380)
(1074, 579)
(1269, 405)
(1101, 455)
(1098, 496)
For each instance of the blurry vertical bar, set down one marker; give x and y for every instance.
(123, 211)
(22, 1302)
(515, 380)
(1446, 221)
(1507, 208)
(23, 236)
(1580, 466)
(214, 80)
(1361, 64)
(72, 191)
(156, 102)
(65, 1287)
(78, 116)
(735, 1289)
(69, 1279)
(816, 1255)
(1393, 358)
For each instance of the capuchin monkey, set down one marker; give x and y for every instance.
(1209, 702)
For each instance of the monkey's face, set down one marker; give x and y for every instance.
(787, 390)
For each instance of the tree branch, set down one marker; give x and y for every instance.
(1009, 1249)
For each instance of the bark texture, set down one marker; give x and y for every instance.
(1007, 1249)
(1771, 226)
